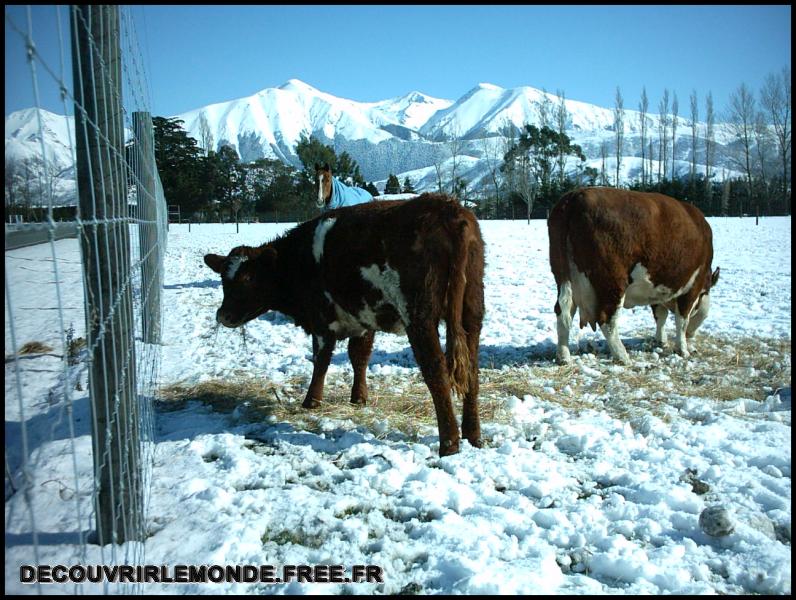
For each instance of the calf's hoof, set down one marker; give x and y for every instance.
(310, 402)
(359, 400)
(472, 435)
(448, 447)
(475, 442)
(563, 357)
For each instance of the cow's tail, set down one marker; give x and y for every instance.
(457, 352)
(557, 234)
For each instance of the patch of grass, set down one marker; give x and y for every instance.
(396, 403)
(29, 348)
(719, 370)
(34, 348)
(73, 346)
(298, 538)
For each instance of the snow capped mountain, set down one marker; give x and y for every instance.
(407, 135)
(23, 141)
(410, 111)
(271, 122)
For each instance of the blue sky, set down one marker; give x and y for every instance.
(198, 55)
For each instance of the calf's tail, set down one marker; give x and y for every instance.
(457, 353)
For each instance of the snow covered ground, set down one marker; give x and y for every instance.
(593, 484)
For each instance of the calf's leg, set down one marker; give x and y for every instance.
(660, 312)
(565, 310)
(472, 319)
(322, 349)
(424, 340)
(359, 350)
(608, 318)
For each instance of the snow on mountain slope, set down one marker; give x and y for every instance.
(412, 110)
(399, 135)
(23, 141)
(275, 118)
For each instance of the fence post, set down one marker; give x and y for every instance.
(151, 273)
(105, 248)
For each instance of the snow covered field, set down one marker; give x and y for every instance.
(593, 483)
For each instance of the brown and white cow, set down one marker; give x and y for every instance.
(611, 248)
(400, 266)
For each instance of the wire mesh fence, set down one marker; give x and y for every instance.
(82, 315)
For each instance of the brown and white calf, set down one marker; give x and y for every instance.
(612, 248)
(400, 266)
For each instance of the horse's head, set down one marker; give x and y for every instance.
(323, 185)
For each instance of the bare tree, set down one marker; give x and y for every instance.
(763, 141)
(741, 121)
(693, 123)
(11, 174)
(491, 151)
(205, 134)
(455, 147)
(675, 110)
(509, 139)
(544, 106)
(642, 117)
(619, 131)
(663, 127)
(776, 100)
(603, 156)
(438, 157)
(562, 116)
(710, 146)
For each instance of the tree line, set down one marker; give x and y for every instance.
(757, 156)
(210, 185)
(527, 168)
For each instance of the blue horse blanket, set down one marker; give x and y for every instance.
(344, 195)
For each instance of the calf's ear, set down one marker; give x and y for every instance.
(715, 278)
(215, 262)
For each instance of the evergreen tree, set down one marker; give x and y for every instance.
(177, 157)
(374, 191)
(528, 164)
(312, 152)
(229, 181)
(408, 187)
(393, 186)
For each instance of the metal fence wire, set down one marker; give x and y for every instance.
(83, 322)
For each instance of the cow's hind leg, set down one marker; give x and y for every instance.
(424, 340)
(322, 349)
(359, 350)
(472, 319)
(660, 312)
(608, 318)
(682, 314)
(565, 310)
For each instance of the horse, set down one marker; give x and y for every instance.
(332, 193)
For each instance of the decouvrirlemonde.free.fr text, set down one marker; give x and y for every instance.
(199, 574)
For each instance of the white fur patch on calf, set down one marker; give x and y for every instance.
(615, 346)
(698, 316)
(564, 321)
(583, 295)
(321, 230)
(641, 291)
(234, 264)
(388, 282)
(346, 324)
